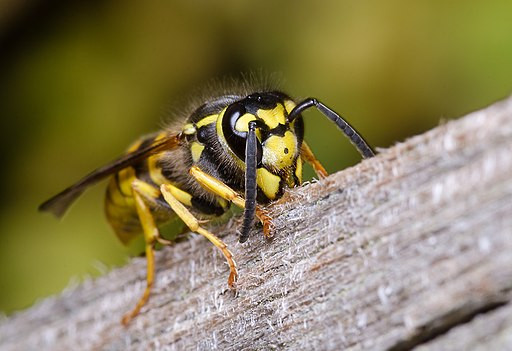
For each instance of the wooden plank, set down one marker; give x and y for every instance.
(489, 331)
(410, 248)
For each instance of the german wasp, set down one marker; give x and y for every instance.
(242, 148)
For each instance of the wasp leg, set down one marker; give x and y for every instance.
(310, 158)
(218, 188)
(266, 221)
(194, 226)
(141, 191)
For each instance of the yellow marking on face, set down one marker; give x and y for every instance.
(189, 129)
(268, 182)
(181, 195)
(207, 120)
(242, 124)
(274, 117)
(298, 170)
(289, 105)
(279, 152)
(196, 149)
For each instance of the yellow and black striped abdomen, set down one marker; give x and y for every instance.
(120, 207)
(119, 202)
(167, 167)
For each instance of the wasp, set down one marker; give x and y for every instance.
(240, 148)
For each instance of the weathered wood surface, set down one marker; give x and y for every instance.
(411, 249)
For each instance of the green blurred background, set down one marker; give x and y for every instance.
(81, 80)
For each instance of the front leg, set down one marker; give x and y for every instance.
(216, 187)
(191, 222)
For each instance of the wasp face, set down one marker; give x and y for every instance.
(278, 140)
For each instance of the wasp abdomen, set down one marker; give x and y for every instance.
(166, 167)
(119, 203)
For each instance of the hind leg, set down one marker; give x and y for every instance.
(141, 193)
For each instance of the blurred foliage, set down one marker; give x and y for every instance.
(81, 80)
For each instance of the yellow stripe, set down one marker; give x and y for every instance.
(126, 176)
(156, 175)
(298, 170)
(222, 139)
(155, 172)
(114, 195)
(206, 120)
(273, 117)
(189, 129)
(160, 136)
(196, 149)
(218, 126)
(279, 152)
(268, 182)
(289, 105)
(242, 124)
(134, 146)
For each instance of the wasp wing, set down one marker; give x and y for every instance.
(59, 203)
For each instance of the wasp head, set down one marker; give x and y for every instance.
(278, 140)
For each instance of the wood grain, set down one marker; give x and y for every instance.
(410, 249)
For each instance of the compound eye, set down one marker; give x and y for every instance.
(231, 116)
(236, 137)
